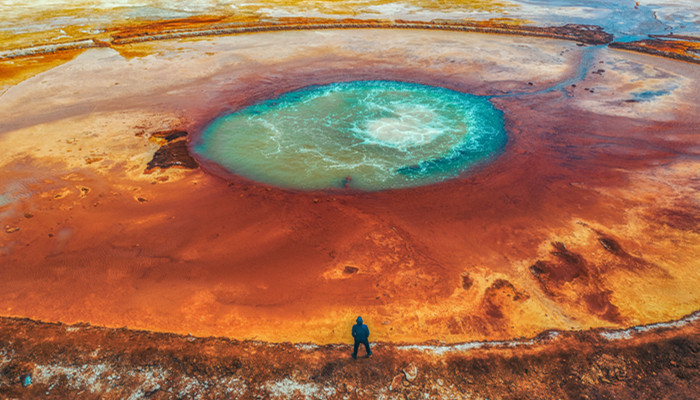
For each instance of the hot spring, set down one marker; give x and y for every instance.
(365, 135)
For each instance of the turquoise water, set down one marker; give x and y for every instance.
(366, 135)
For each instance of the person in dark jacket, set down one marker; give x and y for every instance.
(360, 332)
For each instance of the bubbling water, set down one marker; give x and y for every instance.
(368, 135)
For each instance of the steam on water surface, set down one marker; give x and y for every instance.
(371, 134)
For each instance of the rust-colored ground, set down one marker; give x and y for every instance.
(82, 362)
(588, 219)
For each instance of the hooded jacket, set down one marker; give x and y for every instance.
(360, 331)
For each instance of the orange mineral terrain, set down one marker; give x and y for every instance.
(566, 266)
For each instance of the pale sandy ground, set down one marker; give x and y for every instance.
(72, 155)
(619, 16)
(179, 79)
(30, 23)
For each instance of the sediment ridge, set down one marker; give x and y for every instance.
(588, 34)
(684, 48)
(53, 360)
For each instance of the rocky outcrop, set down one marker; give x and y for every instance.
(173, 153)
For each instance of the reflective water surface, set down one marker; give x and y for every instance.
(367, 135)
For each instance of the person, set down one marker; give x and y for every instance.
(360, 332)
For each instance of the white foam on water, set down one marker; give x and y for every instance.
(410, 127)
(365, 130)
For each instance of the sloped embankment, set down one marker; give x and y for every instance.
(85, 362)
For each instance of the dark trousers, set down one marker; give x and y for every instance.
(357, 345)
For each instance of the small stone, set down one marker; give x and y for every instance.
(467, 281)
(440, 382)
(350, 270)
(90, 160)
(168, 136)
(11, 229)
(396, 382)
(411, 372)
(28, 215)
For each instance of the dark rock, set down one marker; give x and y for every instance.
(588, 34)
(173, 154)
(537, 268)
(169, 136)
(610, 245)
(467, 282)
(350, 270)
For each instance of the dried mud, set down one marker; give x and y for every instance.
(84, 362)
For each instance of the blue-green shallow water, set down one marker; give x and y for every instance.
(366, 135)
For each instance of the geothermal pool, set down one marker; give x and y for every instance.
(590, 202)
(367, 135)
(510, 201)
